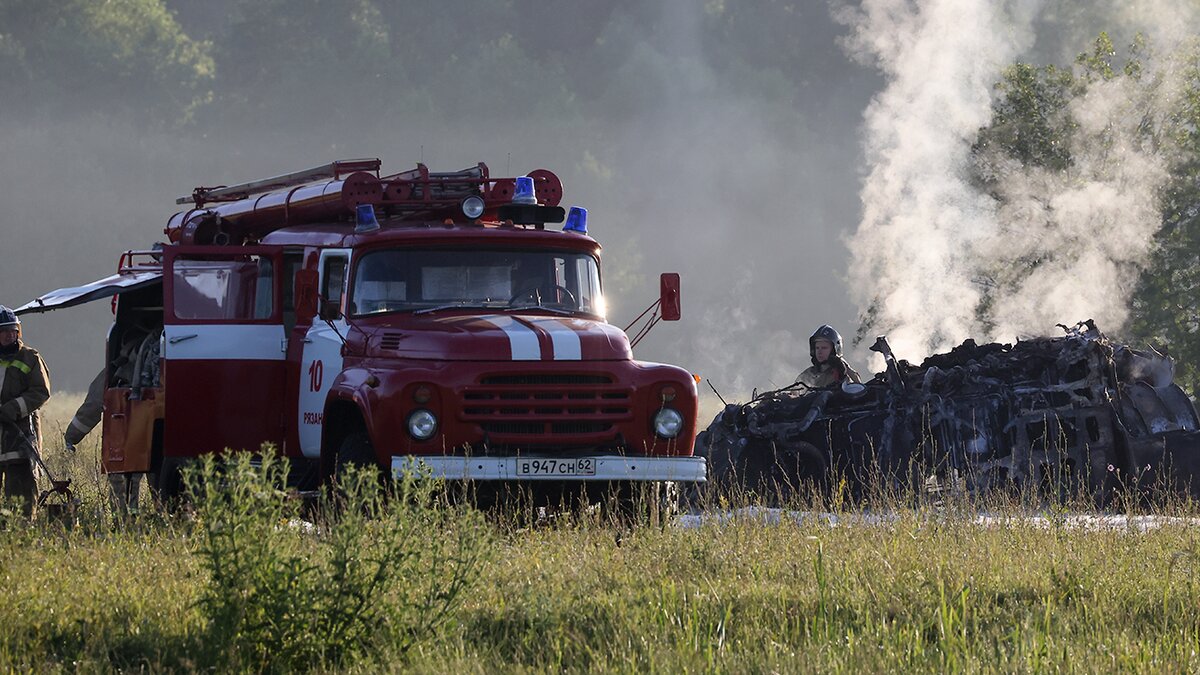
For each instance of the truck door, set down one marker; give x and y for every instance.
(223, 349)
(321, 354)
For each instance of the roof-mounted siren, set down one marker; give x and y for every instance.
(534, 200)
(576, 220)
(524, 192)
(364, 218)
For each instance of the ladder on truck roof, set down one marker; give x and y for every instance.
(412, 194)
(335, 192)
(229, 193)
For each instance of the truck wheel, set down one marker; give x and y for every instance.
(167, 485)
(636, 504)
(356, 450)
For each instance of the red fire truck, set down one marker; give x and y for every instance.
(419, 320)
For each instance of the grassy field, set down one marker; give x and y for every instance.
(241, 583)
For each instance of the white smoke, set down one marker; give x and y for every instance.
(912, 253)
(1053, 247)
(735, 340)
(1095, 225)
(1163, 22)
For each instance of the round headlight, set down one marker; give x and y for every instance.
(422, 425)
(668, 423)
(472, 206)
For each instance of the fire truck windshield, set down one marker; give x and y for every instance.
(411, 280)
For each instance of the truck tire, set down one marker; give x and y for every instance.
(356, 450)
(167, 485)
(638, 504)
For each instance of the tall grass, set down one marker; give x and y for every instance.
(917, 592)
(369, 572)
(901, 582)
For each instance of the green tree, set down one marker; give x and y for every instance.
(1167, 303)
(1030, 121)
(288, 58)
(1032, 124)
(121, 57)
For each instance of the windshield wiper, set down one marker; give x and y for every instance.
(518, 308)
(457, 305)
(556, 310)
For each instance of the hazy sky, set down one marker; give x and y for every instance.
(748, 204)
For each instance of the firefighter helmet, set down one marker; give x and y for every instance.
(825, 332)
(8, 318)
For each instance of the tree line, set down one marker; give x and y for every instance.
(181, 65)
(1035, 124)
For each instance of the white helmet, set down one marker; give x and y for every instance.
(8, 318)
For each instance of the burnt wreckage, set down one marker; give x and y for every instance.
(1058, 414)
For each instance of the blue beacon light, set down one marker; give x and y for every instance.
(576, 220)
(365, 218)
(524, 193)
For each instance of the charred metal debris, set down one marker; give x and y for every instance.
(1059, 415)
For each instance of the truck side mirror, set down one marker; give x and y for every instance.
(331, 310)
(305, 290)
(668, 296)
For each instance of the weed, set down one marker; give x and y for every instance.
(371, 573)
(896, 580)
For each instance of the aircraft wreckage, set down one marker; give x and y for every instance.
(1061, 416)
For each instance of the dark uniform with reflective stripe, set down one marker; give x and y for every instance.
(125, 486)
(24, 387)
(89, 413)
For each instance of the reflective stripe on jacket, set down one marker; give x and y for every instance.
(24, 384)
(23, 378)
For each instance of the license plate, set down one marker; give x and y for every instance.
(554, 467)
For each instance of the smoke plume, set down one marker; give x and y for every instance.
(936, 257)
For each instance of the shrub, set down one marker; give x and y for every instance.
(373, 571)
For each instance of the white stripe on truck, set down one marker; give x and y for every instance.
(522, 340)
(564, 339)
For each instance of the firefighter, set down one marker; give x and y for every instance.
(92, 410)
(828, 366)
(24, 387)
(88, 415)
(125, 487)
(135, 366)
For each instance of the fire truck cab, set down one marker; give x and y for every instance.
(419, 322)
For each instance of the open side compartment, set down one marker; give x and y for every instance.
(135, 398)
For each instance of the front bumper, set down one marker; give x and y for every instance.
(606, 468)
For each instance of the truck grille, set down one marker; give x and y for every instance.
(540, 405)
(547, 379)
